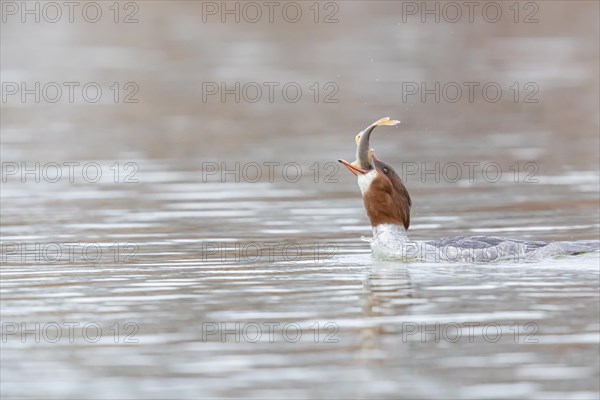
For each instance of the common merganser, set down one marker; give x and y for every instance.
(388, 204)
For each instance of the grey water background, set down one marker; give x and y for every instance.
(186, 234)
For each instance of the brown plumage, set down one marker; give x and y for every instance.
(387, 201)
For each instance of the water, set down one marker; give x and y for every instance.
(525, 329)
(150, 283)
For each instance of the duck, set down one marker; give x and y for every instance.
(387, 203)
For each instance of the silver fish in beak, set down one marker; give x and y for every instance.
(364, 153)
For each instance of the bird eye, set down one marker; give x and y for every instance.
(385, 170)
